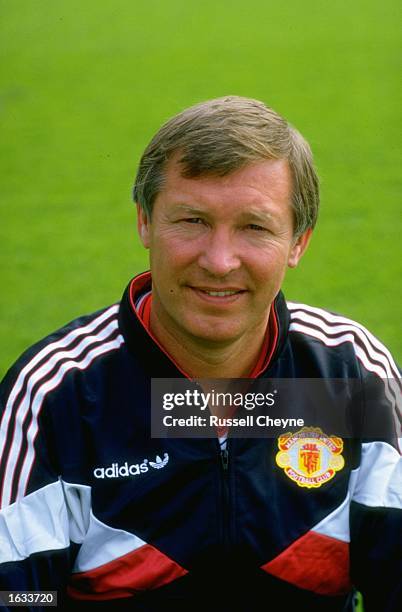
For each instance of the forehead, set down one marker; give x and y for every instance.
(263, 183)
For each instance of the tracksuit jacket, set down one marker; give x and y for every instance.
(112, 519)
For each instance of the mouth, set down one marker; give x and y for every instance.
(218, 296)
(220, 293)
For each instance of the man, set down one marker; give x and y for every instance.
(95, 507)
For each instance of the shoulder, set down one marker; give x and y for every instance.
(74, 346)
(338, 333)
(45, 376)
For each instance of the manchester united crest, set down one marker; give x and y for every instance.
(309, 457)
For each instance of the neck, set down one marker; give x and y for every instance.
(208, 359)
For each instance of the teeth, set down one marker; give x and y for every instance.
(220, 293)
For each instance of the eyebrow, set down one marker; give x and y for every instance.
(249, 214)
(262, 216)
(190, 209)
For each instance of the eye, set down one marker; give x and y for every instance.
(257, 228)
(193, 220)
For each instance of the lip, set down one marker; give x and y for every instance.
(200, 292)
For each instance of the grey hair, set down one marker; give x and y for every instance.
(220, 136)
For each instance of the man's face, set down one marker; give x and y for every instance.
(219, 249)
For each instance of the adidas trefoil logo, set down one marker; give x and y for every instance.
(135, 469)
(159, 463)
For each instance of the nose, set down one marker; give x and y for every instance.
(219, 256)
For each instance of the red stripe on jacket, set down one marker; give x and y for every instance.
(140, 570)
(314, 562)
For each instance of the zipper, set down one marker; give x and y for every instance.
(226, 510)
(225, 459)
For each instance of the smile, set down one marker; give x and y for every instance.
(222, 296)
(219, 293)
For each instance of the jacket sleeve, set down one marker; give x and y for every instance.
(376, 508)
(35, 517)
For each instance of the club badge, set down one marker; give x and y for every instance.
(309, 457)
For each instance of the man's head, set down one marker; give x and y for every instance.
(227, 197)
(220, 136)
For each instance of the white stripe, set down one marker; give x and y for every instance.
(331, 329)
(377, 483)
(348, 337)
(62, 343)
(78, 501)
(336, 524)
(141, 299)
(36, 523)
(42, 392)
(47, 519)
(331, 318)
(51, 517)
(103, 544)
(24, 407)
(394, 396)
(380, 479)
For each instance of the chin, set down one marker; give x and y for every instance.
(215, 336)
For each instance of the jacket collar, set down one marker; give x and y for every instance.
(154, 359)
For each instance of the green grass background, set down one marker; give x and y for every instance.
(85, 84)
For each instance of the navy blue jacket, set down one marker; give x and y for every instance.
(93, 507)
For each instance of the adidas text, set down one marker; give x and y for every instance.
(135, 469)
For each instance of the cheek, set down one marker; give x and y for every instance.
(268, 263)
(176, 253)
(168, 261)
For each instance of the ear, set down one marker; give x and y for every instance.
(143, 223)
(299, 247)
